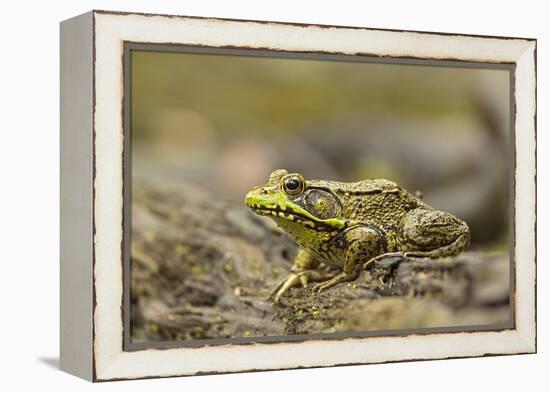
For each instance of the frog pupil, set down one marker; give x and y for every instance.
(293, 184)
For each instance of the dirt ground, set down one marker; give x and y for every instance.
(201, 268)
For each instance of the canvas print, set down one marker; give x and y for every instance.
(286, 197)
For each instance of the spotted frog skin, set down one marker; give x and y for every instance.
(343, 228)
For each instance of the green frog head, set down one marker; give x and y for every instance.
(305, 209)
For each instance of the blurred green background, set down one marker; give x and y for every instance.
(224, 122)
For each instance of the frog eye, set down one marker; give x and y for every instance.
(293, 185)
(322, 204)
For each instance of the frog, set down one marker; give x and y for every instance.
(344, 228)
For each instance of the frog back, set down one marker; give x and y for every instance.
(376, 202)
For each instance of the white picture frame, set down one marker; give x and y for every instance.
(92, 194)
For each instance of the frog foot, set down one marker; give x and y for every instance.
(339, 278)
(295, 279)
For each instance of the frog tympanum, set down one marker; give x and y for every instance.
(343, 228)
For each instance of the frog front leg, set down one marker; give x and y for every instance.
(362, 243)
(305, 269)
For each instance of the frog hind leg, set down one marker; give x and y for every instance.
(305, 269)
(362, 244)
(432, 233)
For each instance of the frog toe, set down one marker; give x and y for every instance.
(320, 287)
(284, 285)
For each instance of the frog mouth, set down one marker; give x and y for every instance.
(280, 213)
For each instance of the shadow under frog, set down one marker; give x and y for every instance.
(343, 228)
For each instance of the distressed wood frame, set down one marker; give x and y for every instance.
(92, 189)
